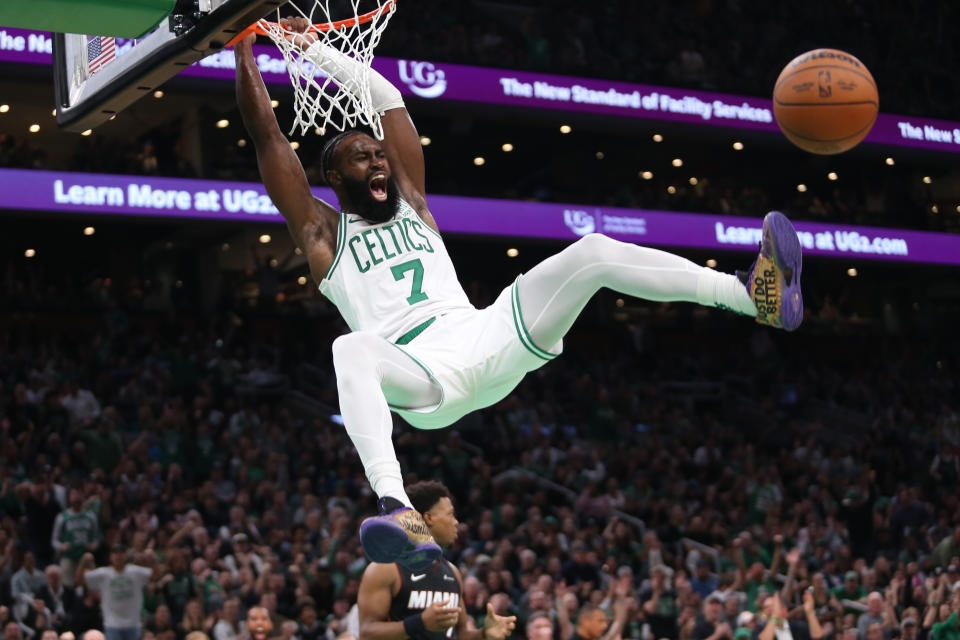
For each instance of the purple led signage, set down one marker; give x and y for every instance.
(442, 81)
(98, 194)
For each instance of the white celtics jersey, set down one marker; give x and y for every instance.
(391, 278)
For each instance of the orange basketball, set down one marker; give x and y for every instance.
(825, 101)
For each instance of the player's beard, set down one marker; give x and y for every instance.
(364, 204)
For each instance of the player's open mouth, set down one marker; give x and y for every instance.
(378, 187)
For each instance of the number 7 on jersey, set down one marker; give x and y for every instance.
(399, 273)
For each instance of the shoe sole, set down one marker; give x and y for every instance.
(385, 542)
(786, 253)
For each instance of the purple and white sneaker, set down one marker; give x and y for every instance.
(398, 534)
(774, 279)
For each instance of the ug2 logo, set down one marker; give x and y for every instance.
(579, 221)
(423, 78)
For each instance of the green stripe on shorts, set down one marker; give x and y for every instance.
(408, 337)
(522, 329)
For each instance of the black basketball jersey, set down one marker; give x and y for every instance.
(420, 589)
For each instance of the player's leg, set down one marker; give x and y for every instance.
(553, 293)
(373, 375)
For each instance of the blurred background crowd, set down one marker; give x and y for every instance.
(675, 462)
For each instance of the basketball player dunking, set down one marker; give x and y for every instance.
(424, 604)
(418, 347)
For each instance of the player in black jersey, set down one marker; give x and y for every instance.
(397, 603)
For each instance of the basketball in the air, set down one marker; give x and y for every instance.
(825, 101)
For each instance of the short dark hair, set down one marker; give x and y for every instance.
(586, 610)
(426, 494)
(330, 150)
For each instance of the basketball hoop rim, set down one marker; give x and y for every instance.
(261, 27)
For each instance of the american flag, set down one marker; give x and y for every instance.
(100, 51)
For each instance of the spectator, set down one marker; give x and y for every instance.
(229, 626)
(309, 625)
(80, 404)
(121, 592)
(660, 604)
(702, 582)
(851, 589)
(58, 599)
(876, 614)
(75, 532)
(578, 569)
(258, 625)
(947, 549)
(539, 627)
(776, 622)
(908, 629)
(712, 625)
(26, 583)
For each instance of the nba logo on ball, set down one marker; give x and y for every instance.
(423, 78)
(579, 221)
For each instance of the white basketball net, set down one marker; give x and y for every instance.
(320, 102)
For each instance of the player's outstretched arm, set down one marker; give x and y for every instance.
(280, 169)
(401, 142)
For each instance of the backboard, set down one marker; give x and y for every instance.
(96, 77)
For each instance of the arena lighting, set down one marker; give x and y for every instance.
(646, 175)
(294, 145)
(225, 246)
(425, 141)
(298, 251)
(241, 143)
(927, 179)
(512, 252)
(265, 238)
(712, 263)
(832, 175)
(852, 272)
(801, 188)
(600, 155)
(4, 108)
(223, 124)
(479, 161)
(29, 253)
(158, 94)
(671, 189)
(693, 181)
(677, 162)
(274, 103)
(54, 113)
(934, 209)
(565, 128)
(657, 137)
(507, 147)
(89, 231)
(889, 161)
(302, 280)
(87, 132)
(958, 208)
(738, 146)
(34, 128)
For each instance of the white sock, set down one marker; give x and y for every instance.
(385, 479)
(723, 290)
